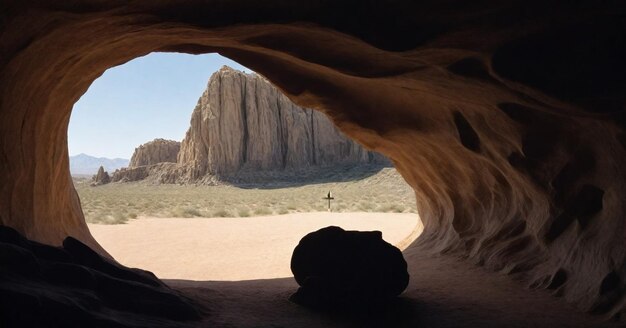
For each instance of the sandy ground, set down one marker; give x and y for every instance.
(221, 263)
(444, 292)
(231, 249)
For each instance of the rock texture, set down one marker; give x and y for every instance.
(155, 152)
(339, 270)
(507, 118)
(101, 178)
(245, 130)
(243, 123)
(73, 286)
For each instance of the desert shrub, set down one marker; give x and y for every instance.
(185, 212)
(263, 211)
(366, 206)
(283, 211)
(393, 208)
(243, 213)
(222, 214)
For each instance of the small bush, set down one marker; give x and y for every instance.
(393, 208)
(222, 214)
(366, 206)
(185, 212)
(263, 211)
(243, 213)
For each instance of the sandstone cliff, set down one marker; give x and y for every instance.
(243, 123)
(154, 152)
(244, 129)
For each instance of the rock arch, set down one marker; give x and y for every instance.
(536, 90)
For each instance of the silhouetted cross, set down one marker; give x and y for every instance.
(329, 197)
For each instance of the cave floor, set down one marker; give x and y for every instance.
(444, 292)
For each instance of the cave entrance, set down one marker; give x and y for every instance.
(219, 180)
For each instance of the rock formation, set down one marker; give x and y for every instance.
(243, 126)
(506, 117)
(243, 123)
(72, 286)
(340, 269)
(101, 178)
(154, 160)
(154, 152)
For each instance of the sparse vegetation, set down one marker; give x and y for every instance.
(222, 214)
(263, 211)
(118, 203)
(244, 213)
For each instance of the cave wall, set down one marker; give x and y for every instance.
(507, 118)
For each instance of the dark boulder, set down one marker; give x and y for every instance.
(73, 286)
(337, 269)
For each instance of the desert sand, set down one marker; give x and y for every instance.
(237, 271)
(232, 249)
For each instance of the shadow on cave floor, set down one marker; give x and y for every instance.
(286, 179)
(443, 292)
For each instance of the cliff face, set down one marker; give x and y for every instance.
(154, 152)
(243, 123)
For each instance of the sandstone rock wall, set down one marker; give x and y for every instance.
(243, 123)
(154, 152)
(506, 117)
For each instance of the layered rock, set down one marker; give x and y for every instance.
(154, 160)
(244, 127)
(243, 123)
(154, 152)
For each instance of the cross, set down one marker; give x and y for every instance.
(329, 197)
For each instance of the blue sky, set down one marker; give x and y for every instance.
(149, 97)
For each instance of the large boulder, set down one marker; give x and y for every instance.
(337, 269)
(73, 286)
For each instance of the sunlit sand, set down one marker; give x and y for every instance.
(234, 248)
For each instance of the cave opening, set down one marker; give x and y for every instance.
(503, 118)
(152, 207)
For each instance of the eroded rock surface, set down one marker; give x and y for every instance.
(244, 129)
(155, 152)
(339, 270)
(507, 118)
(243, 123)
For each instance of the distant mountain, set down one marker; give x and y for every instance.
(85, 164)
